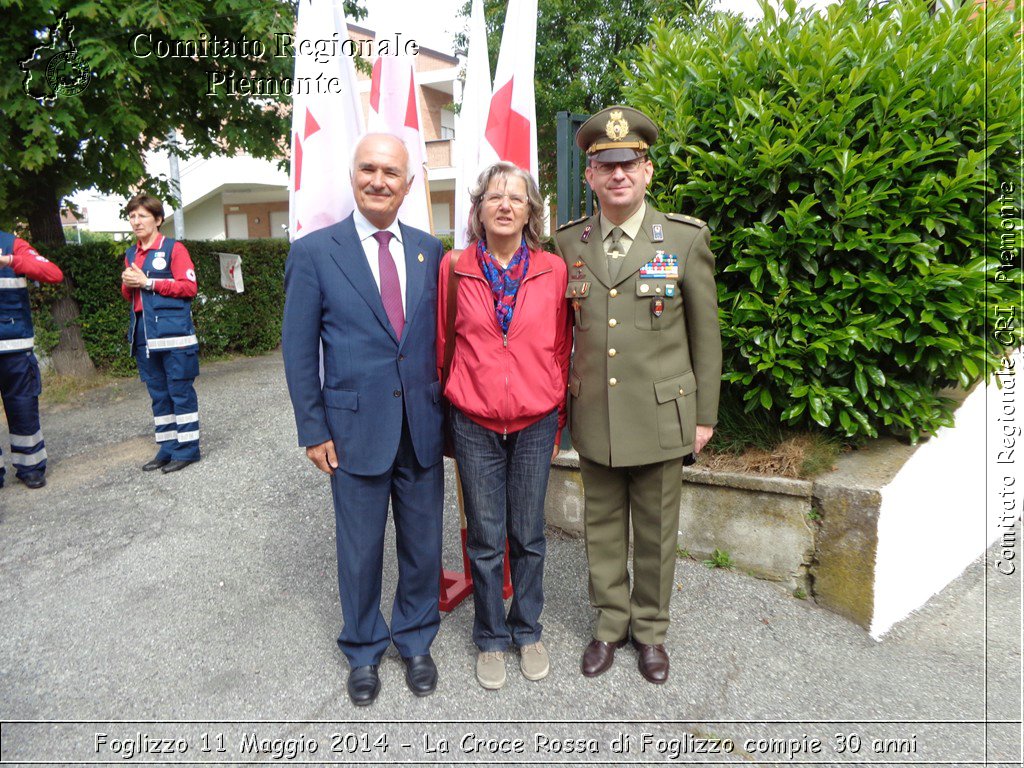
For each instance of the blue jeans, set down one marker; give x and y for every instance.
(504, 481)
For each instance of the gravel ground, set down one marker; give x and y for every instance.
(147, 617)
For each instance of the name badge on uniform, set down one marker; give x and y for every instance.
(160, 262)
(657, 233)
(663, 265)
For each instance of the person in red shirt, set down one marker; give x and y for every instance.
(159, 282)
(507, 386)
(20, 383)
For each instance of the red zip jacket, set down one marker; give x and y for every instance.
(506, 383)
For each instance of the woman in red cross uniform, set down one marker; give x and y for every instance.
(159, 283)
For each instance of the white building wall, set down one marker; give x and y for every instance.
(202, 222)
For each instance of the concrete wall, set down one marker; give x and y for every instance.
(877, 537)
(943, 510)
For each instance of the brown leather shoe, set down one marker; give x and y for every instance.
(598, 657)
(653, 662)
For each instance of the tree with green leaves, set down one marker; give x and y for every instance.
(860, 175)
(88, 87)
(580, 44)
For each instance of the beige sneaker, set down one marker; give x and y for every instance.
(490, 669)
(533, 660)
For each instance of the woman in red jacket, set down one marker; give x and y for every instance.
(507, 384)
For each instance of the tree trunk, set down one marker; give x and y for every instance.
(69, 357)
(44, 214)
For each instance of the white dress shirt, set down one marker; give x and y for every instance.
(366, 231)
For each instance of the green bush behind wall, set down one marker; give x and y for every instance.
(851, 163)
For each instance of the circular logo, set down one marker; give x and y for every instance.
(66, 75)
(159, 263)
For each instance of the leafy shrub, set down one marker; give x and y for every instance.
(850, 163)
(248, 323)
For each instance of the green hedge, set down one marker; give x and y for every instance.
(226, 322)
(850, 163)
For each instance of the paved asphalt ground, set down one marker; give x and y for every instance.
(147, 617)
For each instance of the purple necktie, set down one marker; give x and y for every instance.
(390, 288)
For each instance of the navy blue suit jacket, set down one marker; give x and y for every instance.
(370, 377)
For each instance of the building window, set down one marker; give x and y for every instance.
(447, 124)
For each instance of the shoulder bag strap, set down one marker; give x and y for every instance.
(449, 323)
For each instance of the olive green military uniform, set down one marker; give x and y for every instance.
(646, 370)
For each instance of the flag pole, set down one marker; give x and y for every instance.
(426, 191)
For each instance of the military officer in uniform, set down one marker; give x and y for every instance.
(644, 382)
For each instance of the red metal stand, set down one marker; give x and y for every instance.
(455, 586)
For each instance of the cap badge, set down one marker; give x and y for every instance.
(617, 127)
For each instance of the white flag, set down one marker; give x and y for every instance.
(231, 272)
(472, 120)
(395, 109)
(327, 121)
(511, 132)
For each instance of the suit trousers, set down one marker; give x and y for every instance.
(648, 497)
(360, 514)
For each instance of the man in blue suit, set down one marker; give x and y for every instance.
(367, 289)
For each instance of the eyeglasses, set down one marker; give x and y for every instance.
(627, 166)
(495, 198)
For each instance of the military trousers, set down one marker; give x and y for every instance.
(645, 498)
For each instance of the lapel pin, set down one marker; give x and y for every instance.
(578, 264)
(657, 233)
(419, 258)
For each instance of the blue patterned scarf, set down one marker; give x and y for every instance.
(504, 281)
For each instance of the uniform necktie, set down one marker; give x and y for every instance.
(390, 288)
(616, 251)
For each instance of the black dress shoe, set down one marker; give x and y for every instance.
(420, 674)
(598, 657)
(33, 480)
(175, 464)
(363, 685)
(156, 463)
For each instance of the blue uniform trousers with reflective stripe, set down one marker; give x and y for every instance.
(20, 387)
(169, 376)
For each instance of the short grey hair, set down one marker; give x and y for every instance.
(503, 170)
(409, 172)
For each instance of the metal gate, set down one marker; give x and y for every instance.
(574, 196)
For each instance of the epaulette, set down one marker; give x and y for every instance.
(683, 218)
(571, 223)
